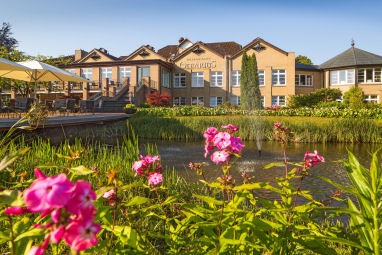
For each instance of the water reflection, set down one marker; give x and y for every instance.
(177, 155)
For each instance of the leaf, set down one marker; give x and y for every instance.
(170, 199)
(63, 156)
(30, 233)
(9, 159)
(212, 202)
(137, 200)
(11, 197)
(274, 164)
(81, 170)
(125, 234)
(102, 190)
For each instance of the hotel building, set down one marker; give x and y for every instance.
(208, 74)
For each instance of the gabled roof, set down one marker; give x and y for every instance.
(143, 48)
(352, 57)
(220, 48)
(100, 51)
(257, 42)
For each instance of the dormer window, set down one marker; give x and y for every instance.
(95, 56)
(198, 50)
(258, 47)
(144, 53)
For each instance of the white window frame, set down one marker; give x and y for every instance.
(197, 79)
(199, 101)
(106, 72)
(179, 80)
(87, 73)
(165, 79)
(336, 77)
(278, 100)
(374, 75)
(298, 81)
(235, 100)
(371, 99)
(216, 101)
(124, 71)
(178, 101)
(261, 73)
(278, 73)
(216, 79)
(235, 78)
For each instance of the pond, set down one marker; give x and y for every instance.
(177, 155)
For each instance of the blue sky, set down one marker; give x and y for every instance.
(317, 29)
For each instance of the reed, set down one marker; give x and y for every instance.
(305, 129)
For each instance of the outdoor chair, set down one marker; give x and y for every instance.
(65, 105)
(23, 104)
(86, 106)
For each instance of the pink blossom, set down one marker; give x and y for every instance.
(81, 234)
(312, 159)
(210, 133)
(57, 234)
(55, 215)
(15, 210)
(236, 144)
(109, 194)
(277, 124)
(207, 149)
(82, 198)
(39, 174)
(151, 159)
(155, 178)
(219, 157)
(51, 192)
(137, 167)
(222, 140)
(36, 250)
(231, 128)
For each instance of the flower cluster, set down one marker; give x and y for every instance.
(225, 143)
(70, 207)
(281, 132)
(149, 167)
(312, 159)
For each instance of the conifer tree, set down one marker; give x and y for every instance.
(249, 84)
(243, 82)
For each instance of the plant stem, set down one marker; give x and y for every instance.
(12, 236)
(114, 216)
(285, 159)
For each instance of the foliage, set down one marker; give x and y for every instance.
(156, 99)
(6, 39)
(300, 59)
(314, 98)
(353, 98)
(249, 83)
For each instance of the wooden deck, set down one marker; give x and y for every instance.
(67, 120)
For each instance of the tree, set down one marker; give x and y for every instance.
(156, 99)
(249, 83)
(354, 98)
(6, 38)
(300, 59)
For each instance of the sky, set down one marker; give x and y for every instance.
(318, 29)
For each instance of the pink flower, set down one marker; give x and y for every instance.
(82, 198)
(222, 140)
(155, 178)
(210, 133)
(236, 144)
(36, 250)
(57, 234)
(207, 149)
(312, 159)
(151, 159)
(231, 128)
(219, 157)
(137, 167)
(55, 215)
(48, 193)
(277, 125)
(15, 210)
(81, 234)
(39, 174)
(109, 194)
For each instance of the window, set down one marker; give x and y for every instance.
(179, 80)
(261, 74)
(106, 72)
(124, 72)
(87, 73)
(235, 78)
(215, 101)
(179, 101)
(197, 101)
(303, 80)
(216, 79)
(165, 79)
(278, 100)
(197, 79)
(342, 77)
(370, 75)
(235, 100)
(278, 77)
(371, 99)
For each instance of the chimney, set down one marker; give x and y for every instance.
(79, 54)
(103, 50)
(181, 39)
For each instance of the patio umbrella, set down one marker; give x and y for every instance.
(7, 67)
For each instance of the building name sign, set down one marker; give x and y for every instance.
(202, 63)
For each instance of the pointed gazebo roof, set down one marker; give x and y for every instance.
(352, 57)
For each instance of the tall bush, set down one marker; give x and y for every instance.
(156, 99)
(314, 98)
(354, 98)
